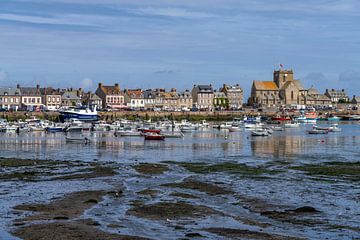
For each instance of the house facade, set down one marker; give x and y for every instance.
(221, 102)
(337, 96)
(185, 100)
(203, 96)
(91, 99)
(30, 98)
(234, 94)
(51, 98)
(134, 98)
(71, 97)
(10, 98)
(111, 96)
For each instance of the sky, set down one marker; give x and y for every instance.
(178, 43)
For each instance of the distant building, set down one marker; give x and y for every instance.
(355, 100)
(134, 98)
(149, 99)
(185, 100)
(111, 96)
(91, 99)
(51, 98)
(284, 89)
(337, 96)
(203, 96)
(234, 94)
(221, 102)
(314, 98)
(169, 99)
(10, 98)
(30, 98)
(71, 97)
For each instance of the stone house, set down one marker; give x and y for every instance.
(337, 96)
(30, 98)
(234, 94)
(10, 98)
(134, 98)
(203, 96)
(51, 98)
(111, 96)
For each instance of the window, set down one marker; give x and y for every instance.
(38, 100)
(292, 95)
(49, 99)
(25, 100)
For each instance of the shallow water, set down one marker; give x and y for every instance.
(336, 199)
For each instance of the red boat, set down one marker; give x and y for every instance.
(150, 131)
(281, 117)
(153, 136)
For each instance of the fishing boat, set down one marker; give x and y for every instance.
(144, 131)
(81, 113)
(153, 136)
(281, 118)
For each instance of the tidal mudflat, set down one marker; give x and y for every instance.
(208, 185)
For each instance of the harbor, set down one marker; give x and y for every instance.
(204, 179)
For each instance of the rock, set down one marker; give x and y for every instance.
(305, 209)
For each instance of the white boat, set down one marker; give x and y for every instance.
(127, 133)
(253, 125)
(235, 129)
(334, 128)
(277, 128)
(292, 125)
(172, 134)
(260, 133)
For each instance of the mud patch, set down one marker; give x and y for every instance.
(227, 167)
(246, 234)
(151, 168)
(208, 188)
(68, 231)
(341, 170)
(71, 206)
(183, 195)
(171, 210)
(149, 192)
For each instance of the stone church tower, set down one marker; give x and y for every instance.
(283, 76)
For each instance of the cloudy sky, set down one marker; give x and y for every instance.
(177, 43)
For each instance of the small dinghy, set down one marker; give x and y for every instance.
(317, 131)
(260, 133)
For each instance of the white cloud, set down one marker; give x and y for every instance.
(67, 19)
(171, 12)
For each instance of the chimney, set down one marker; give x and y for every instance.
(116, 85)
(18, 86)
(80, 89)
(173, 90)
(100, 85)
(343, 90)
(37, 86)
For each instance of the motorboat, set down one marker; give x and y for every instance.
(172, 134)
(127, 132)
(235, 129)
(153, 136)
(317, 131)
(277, 128)
(292, 125)
(334, 128)
(260, 133)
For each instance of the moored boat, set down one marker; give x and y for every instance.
(153, 136)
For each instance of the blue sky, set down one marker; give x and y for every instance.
(177, 43)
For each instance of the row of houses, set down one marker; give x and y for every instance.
(202, 97)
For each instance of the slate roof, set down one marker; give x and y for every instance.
(10, 91)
